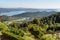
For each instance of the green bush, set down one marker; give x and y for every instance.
(36, 21)
(48, 37)
(16, 31)
(3, 27)
(36, 30)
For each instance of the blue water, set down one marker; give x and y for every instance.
(12, 13)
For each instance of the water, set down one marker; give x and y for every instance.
(12, 13)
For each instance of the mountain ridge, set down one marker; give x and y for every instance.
(3, 10)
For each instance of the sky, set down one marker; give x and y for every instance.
(55, 4)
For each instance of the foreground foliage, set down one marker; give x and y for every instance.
(47, 28)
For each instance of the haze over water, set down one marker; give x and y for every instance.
(12, 13)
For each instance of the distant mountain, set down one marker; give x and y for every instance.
(3, 10)
(37, 14)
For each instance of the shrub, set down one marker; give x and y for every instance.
(48, 37)
(3, 27)
(16, 31)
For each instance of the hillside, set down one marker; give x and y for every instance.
(37, 14)
(54, 18)
(46, 28)
(28, 15)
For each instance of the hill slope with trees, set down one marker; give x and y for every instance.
(46, 28)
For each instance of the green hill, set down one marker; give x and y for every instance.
(46, 28)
